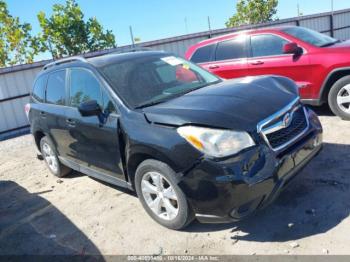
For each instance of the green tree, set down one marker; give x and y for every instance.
(137, 39)
(253, 12)
(17, 46)
(66, 33)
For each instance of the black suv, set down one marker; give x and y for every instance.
(189, 143)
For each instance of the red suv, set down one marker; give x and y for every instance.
(319, 64)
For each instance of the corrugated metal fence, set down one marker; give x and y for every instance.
(16, 81)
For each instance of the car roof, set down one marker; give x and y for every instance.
(250, 31)
(112, 58)
(98, 61)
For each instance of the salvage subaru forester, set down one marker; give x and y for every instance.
(190, 144)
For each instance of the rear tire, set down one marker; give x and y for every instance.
(49, 153)
(161, 197)
(339, 98)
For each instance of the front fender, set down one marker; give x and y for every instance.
(159, 142)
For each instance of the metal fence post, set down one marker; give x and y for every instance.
(331, 24)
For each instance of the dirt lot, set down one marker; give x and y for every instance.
(40, 214)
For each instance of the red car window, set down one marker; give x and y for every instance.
(184, 74)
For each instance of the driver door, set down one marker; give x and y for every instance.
(93, 140)
(267, 58)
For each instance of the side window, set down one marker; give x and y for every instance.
(56, 88)
(231, 49)
(108, 106)
(39, 89)
(267, 45)
(203, 54)
(83, 87)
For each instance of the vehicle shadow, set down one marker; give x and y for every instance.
(316, 202)
(323, 110)
(31, 225)
(119, 188)
(75, 174)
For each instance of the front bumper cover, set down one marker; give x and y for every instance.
(231, 189)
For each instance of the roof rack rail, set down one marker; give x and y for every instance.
(132, 49)
(64, 60)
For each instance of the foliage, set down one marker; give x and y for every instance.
(17, 46)
(137, 39)
(253, 12)
(66, 33)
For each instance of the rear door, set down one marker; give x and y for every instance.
(52, 113)
(230, 58)
(94, 140)
(267, 58)
(37, 101)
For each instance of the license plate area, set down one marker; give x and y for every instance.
(295, 159)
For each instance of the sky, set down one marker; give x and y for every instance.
(156, 19)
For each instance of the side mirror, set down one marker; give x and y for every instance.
(292, 48)
(90, 108)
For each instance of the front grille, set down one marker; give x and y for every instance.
(284, 135)
(284, 127)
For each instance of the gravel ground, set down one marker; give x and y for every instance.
(40, 214)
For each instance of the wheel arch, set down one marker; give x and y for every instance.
(332, 77)
(38, 135)
(137, 156)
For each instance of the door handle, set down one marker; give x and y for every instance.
(70, 122)
(257, 63)
(214, 67)
(42, 114)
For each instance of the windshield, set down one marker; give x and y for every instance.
(153, 79)
(310, 36)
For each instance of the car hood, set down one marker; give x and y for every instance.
(234, 104)
(343, 45)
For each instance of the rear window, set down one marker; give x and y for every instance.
(232, 49)
(39, 89)
(55, 92)
(203, 54)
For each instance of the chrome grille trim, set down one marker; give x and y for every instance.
(290, 108)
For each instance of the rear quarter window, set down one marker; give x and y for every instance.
(203, 54)
(38, 92)
(56, 88)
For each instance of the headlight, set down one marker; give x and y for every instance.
(216, 142)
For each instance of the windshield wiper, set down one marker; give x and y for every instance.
(151, 103)
(330, 43)
(198, 87)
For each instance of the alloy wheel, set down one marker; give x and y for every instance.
(159, 195)
(50, 157)
(343, 99)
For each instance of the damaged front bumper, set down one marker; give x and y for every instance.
(231, 189)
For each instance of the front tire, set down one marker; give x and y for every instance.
(161, 197)
(49, 153)
(339, 98)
